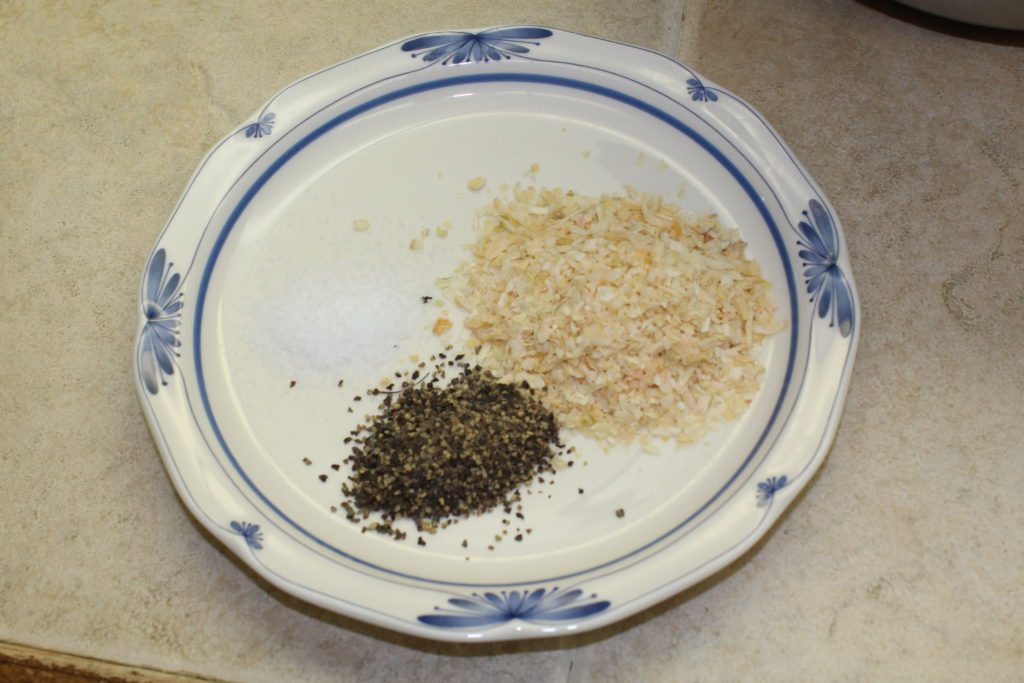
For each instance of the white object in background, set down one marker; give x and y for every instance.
(1007, 14)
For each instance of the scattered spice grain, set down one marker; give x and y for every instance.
(442, 325)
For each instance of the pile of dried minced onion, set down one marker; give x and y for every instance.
(633, 317)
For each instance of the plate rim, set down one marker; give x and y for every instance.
(241, 539)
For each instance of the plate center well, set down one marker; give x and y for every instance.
(300, 295)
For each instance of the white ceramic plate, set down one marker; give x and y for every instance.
(259, 279)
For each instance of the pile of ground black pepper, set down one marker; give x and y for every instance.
(442, 448)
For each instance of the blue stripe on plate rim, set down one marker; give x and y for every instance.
(399, 93)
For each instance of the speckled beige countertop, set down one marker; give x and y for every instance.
(904, 558)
